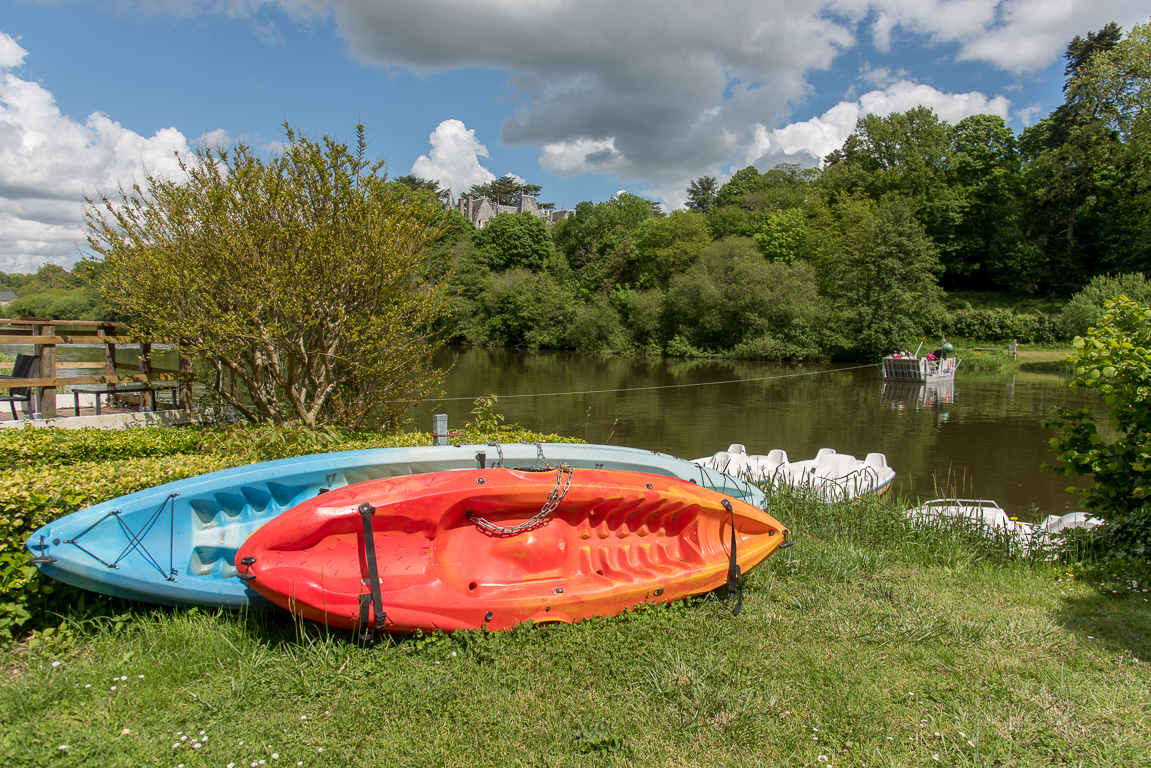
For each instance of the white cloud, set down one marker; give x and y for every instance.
(583, 155)
(217, 139)
(48, 162)
(454, 160)
(653, 91)
(11, 54)
(809, 141)
(1014, 35)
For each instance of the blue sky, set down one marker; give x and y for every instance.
(585, 97)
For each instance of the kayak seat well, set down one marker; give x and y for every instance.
(213, 561)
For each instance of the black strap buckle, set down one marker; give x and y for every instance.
(373, 598)
(734, 574)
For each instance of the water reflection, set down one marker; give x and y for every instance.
(977, 436)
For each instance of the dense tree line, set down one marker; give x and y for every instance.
(851, 260)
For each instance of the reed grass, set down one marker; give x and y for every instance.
(871, 642)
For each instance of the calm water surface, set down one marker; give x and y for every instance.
(977, 437)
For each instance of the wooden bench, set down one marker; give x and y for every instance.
(23, 368)
(113, 389)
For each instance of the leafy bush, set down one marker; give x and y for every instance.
(524, 309)
(641, 313)
(59, 447)
(514, 240)
(59, 304)
(732, 295)
(1002, 325)
(34, 495)
(1115, 360)
(1086, 307)
(596, 327)
(267, 442)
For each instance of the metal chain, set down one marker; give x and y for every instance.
(550, 504)
(499, 452)
(543, 460)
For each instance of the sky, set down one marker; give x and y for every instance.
(583, 97)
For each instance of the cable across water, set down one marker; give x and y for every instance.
(659, 386)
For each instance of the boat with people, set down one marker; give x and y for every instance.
(176, 543)
(830, 476)
(493, 548)
(935, 366)
(993, 521)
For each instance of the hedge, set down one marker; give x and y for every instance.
(33, 496)
(60, 447)
(1002, 325)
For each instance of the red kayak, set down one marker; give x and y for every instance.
(497, 547)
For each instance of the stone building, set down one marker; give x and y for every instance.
(480, 210)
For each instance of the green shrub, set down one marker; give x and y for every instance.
(524, 309)
(1086, 307)
(59, 304)
(267, 442)
(596, 327)
(1001, 325)
(34, 495)
(1113, 359)
(59, 447)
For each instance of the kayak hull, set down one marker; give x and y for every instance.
(175, 544)
(615, 540)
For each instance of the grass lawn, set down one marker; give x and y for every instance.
(868, 643)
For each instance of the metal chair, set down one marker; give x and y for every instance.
(23, 368)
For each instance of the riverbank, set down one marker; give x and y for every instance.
(868, 643)
(993, 357)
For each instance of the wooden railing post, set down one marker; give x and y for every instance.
(147, 399)
(109, 350)
(185, 380)
(46, 396)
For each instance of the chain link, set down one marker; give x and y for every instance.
(550, 505)
(499, 452)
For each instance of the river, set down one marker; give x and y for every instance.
(978, 437)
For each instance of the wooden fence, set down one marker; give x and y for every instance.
(46, 335)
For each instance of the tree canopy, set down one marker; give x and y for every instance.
(294, 280)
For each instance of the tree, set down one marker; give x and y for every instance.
(293, 280)
(988, 241)
(597, 239)
(1088, 305)
(49, 277)
(879, 270)
(701, 194)
(1087, 174)
(514, 240)
(507, 190)
(663, 247)
(733, 297)
(416, 183)
(1114, 359)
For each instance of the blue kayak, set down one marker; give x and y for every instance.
(175, 544)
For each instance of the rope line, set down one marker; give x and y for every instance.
(660, 386)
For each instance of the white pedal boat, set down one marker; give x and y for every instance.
(994, 521)
(830, 476)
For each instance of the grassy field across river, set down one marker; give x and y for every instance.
(868, 644)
